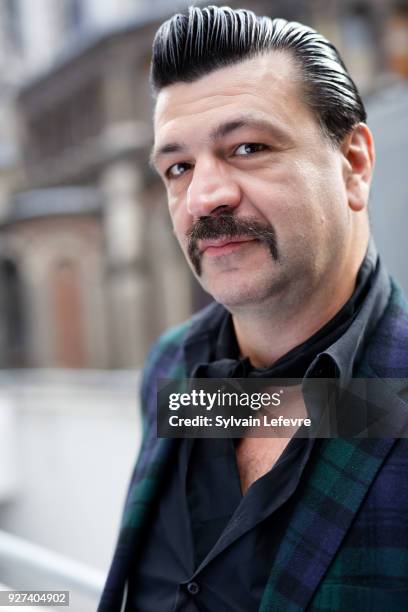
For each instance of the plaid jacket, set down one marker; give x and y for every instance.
(346, 546)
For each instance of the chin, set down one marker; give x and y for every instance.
(234, 295)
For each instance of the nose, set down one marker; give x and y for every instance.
(212, 189)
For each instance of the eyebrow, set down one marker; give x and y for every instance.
(220, 131)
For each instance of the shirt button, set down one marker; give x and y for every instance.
(193, 588)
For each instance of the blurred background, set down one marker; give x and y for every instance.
(90, 272)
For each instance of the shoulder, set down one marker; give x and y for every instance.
(170, 344)
(388, 347)
(394, 322)
(398, 304)
(166, 358)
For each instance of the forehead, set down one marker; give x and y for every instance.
(269, 84)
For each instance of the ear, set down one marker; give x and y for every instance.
(358, 152)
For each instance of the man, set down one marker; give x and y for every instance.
(261, 143)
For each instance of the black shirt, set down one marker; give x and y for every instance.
(209, 547)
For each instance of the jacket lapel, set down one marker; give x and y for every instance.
(324, 511)
(145, 485)
(338, 480)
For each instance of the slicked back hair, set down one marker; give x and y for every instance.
(189, 46)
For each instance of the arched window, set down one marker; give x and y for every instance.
(68, 315)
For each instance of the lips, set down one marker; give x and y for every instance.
(219, 244)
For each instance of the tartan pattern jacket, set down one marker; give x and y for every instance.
(346, 545)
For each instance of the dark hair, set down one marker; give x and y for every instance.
(189, 46)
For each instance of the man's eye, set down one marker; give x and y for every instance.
(176, 170)
(248, 148)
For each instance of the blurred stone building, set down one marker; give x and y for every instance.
(89, 270)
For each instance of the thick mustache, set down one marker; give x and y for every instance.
(228, 226)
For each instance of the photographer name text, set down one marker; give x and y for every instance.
(229, 422)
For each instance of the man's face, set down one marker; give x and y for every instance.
(257, 195)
